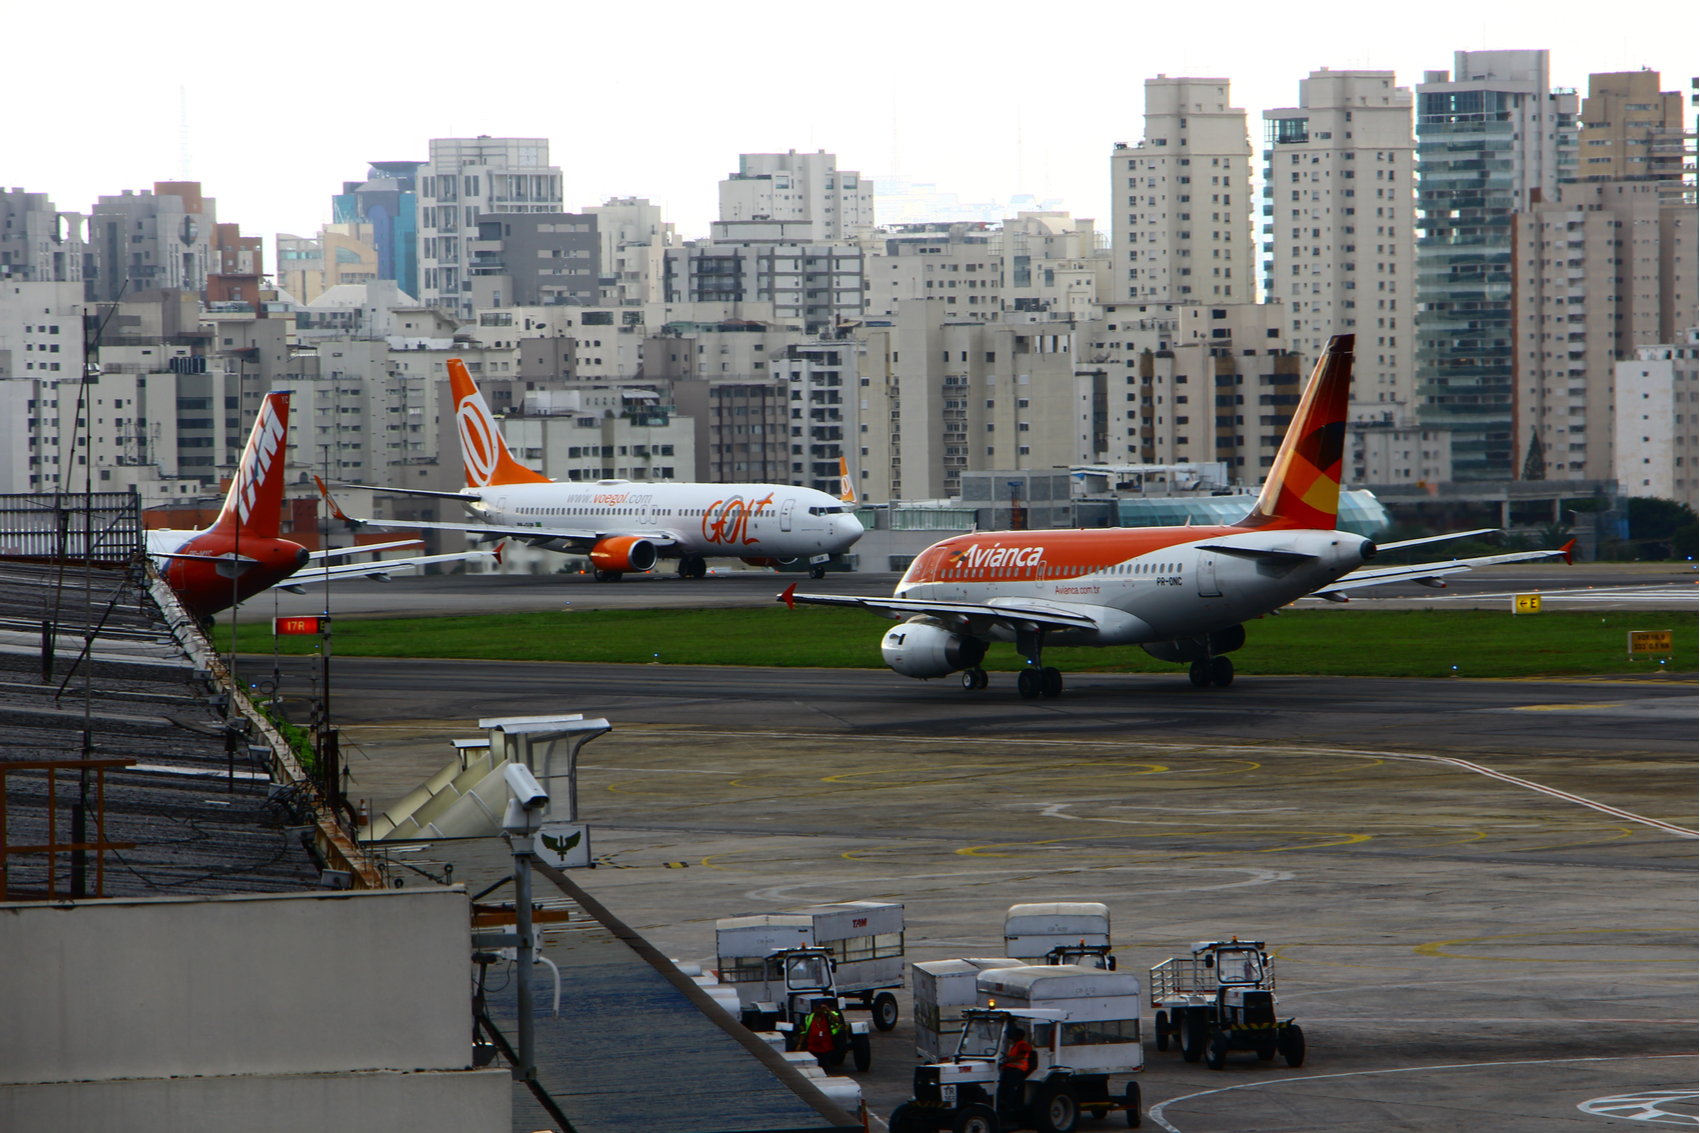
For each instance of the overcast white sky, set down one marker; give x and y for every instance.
(287, 101)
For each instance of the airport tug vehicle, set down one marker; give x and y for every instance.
(1083, 1026)
(780, 963)
(1222, 998)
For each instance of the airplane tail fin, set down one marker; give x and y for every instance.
(1303, 488)
(846, 490)
(254, 503)
(482, 449)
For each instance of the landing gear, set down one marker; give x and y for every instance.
(692, 566)
(607, 576)
(1200, 674)
(817, 573)
(1046, 682)
(1221, 672)
(974, 679)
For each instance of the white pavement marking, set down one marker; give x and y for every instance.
(1646, 1106)
(1156, 1111)
(1200, 747)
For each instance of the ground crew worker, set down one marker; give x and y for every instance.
(824, 1031)
(1018, 1062)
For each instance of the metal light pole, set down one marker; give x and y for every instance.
(520, 822)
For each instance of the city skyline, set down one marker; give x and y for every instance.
(1006, 139)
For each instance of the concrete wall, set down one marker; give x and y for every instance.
(464, 1101)
(255, 985)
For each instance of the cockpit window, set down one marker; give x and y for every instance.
(826, 511)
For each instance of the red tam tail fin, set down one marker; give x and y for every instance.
(482, 449)
(1303, 488)
(254, 503)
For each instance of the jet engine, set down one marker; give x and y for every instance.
(624, 553)
(925, 649)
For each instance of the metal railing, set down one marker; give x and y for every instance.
(56, 528)
(52, 848)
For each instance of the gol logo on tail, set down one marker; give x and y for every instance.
(478, 441)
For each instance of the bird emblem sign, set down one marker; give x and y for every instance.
(564, 845)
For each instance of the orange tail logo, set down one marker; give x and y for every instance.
(1303, 488)
(846, 490)
(255, 500)
(482, 449)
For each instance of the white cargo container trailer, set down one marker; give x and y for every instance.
(943, 989)
(863, 938)
(1031, 931)
(1083, 1024)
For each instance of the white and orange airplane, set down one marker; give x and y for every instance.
(242, 554)
(630, 526)
(1184, 593)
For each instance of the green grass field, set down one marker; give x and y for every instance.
(1417, 643)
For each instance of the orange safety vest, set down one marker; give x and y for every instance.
(1020, 1057)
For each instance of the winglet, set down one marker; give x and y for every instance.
(330, 501)
(789, 597)
(497, 553)
(1566, 551)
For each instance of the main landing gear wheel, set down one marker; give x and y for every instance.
(607, 576)
(1030, 684)
(973, 679)
(692, 566)
(817, 573)
(1221, 672)
(1051, 682)
(1200, 674)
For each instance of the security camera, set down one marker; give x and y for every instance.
(528, 792)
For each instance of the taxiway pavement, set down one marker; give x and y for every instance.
(1466, 940)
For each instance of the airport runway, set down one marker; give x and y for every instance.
(1469, 945)
(1585, 586)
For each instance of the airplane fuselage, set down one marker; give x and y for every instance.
(749, 521)
(213, 583)
(1139, 584)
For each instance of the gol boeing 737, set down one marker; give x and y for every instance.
(242, 554)
(1184, 593)
(626, 526)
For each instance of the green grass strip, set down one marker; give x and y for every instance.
(1385, 643)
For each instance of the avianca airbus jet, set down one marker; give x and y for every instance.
(626, 526)
(241, 554)
(1184, 593)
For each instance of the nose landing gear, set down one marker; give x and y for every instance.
(974, 679)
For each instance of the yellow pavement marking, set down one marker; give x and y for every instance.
(1437, 948)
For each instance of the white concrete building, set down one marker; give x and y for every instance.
(1339, 228)
(832, 205)
(1396, 452)
(817, 285)
(465, 179)
(1658, 421)
(1181, 199)
(634, 242)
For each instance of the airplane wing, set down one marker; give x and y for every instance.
(378, 569)
(575, 540)
(469, 497)
(1429, 574)
(339, 552)
(1011, 612)
(1436, 538)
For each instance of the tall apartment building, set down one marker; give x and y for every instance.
(385, 207)
(41, 328)
(1181, 199)
(465, 179)
(1489, 135)
(1601, 271)
(38, 243)
(817, 285)
(1658, 421)
(1339, 227)
(634, 242)
(959, 265)
(821, 203)
(1631, 130)
(341, 254)
(152, 239)
(533, 259)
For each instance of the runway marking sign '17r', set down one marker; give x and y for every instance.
(1651, 641)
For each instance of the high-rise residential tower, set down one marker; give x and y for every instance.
(1631, 130)
(1181, 200)
(819, 202)
(1339, 236)
(38, 243)
(465, 179)
(1491, 136)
